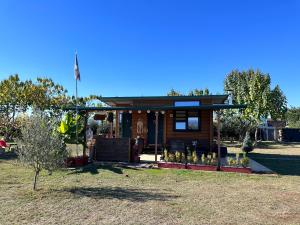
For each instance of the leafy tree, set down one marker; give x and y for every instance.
(173, 92)
(199, 92)
(41, 146)
(253, 88)
(293, 117)
(195, 92)
(13, 100)
(46, 95)
(278, 104)
(234, 126)
(68, 127)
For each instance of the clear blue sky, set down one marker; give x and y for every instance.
(136, 47)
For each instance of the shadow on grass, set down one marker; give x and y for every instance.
(134, 195)
(8, 156)
(276, 145)
(94, 169)
(281, 164)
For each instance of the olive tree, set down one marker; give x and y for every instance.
(41, 146)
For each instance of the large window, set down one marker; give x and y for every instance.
(186, 120)
(186, 103)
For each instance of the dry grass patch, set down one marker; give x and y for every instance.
(114, 195)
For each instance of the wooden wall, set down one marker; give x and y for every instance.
(135, 117)
(112, 149)
(203, 134)
(206, 117)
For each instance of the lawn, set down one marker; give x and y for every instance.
(115, 195)
(283, 159)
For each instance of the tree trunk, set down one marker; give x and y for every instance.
(219, 141)
(256, 135)
(35, 179)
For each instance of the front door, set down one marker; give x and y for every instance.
(126, 125)
(151, 128)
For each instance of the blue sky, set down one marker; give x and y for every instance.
(136, 47)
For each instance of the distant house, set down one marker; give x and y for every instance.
(271, 130)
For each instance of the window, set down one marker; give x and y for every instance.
(186, 120)
(186, 103)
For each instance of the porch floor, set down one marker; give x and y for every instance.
(149, 157)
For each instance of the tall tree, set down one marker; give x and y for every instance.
(13, 100)
(194, 92)
(253, 88)
(173, 92)
(278, 104)
(293, 117)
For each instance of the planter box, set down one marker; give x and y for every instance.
(171, 165)
(76, 161)
(203, 167)
(236, 169)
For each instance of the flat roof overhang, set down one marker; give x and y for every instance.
(157, 108)
(217, 99)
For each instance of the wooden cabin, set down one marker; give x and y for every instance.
(179, 117)
(159, 120)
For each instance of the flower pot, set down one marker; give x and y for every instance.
(70, 161)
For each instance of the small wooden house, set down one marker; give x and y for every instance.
(159, 120)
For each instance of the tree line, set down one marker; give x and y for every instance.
(17, 97)
(252, 88)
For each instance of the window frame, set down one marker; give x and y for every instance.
(186, 121)
(199, 103)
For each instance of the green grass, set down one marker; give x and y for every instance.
(283, 159)
(281, 164)
(117, 195)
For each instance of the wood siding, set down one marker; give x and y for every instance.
(135, 117)
(112, 149)
(206, 118)
(203, 134)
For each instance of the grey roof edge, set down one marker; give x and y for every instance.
(157, 108)
(161, 97)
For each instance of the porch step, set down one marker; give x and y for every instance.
(151, 150)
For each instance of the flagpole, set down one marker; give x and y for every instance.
(76, 102)
(76, 117)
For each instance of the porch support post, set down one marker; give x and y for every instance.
(219, 140)
(156, 135)
(86, 115)
(117, 124)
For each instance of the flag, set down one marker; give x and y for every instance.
(76, 69)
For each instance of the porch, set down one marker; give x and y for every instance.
(157, 122)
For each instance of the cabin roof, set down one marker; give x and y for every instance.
(112, 101)
(158, 108)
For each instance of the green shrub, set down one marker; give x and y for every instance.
(183, 158)
(178, 156)
(195, 157)
(166, 155)
(171, 157)
(231, 161)
(214, 160)
(245, 160)
(203, 159)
